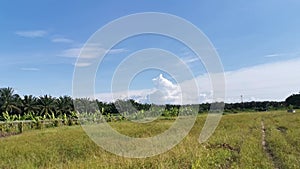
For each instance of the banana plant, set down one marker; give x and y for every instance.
(52, 116)
(8, 117)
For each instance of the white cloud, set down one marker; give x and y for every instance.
(272, 55)
(117, 51)
(72, 52)
(165, 92)
(272, 81)
(82, 64)
(62, 40)
(89, 52)
(290, 54)
(188, 56)
(188, 60)
(202, 93)
(30, 69)
(32, 33)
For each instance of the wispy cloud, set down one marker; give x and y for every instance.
(82, 64)
(62, 40)
(289, 54)
(117, 51)
(188, 60)
(30, 69)
(188, 56)
(32, 33)
(272, 55)
(72, 52)
(89, 52)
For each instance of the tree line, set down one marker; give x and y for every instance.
(29, 107)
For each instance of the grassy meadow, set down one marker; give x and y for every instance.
(236, 143)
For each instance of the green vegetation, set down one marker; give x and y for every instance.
(14, 107)
(243, 139)
(282, 138)
(236, 143)
(293, 101)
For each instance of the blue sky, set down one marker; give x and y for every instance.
(41, 39)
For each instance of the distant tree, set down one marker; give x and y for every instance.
(293, 100)
(85, 105)
(64, 105)
(125, 106)
(9, 101)
(29, 104)
(47, 105)
(111, 108)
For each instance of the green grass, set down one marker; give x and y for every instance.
(283, 138)
(236, 143)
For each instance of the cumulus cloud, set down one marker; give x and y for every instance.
(165, 91)
(32, 33)
(271, 81)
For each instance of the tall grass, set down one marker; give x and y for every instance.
(236, 143)
(283, 139)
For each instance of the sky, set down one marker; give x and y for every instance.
(258, 43)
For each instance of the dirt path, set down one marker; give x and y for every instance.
(265, 147)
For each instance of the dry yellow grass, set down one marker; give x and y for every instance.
(235, 144)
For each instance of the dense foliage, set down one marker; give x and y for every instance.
(13, 107)
(293, 100)
(28, 107)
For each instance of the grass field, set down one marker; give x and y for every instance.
(237, 143)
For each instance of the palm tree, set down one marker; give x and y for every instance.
(85, 105)
(46, 105)
(9, 101)
(64, 105)
(29, 104)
